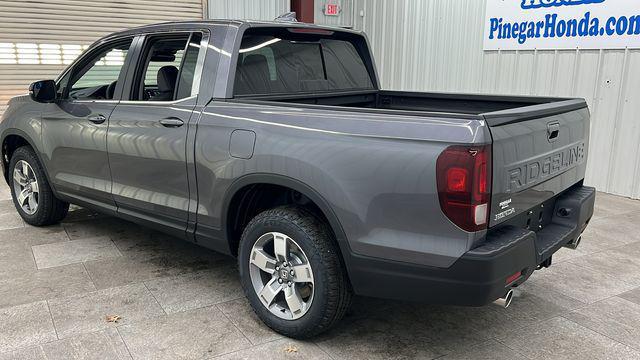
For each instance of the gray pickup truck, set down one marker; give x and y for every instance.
(273, 142)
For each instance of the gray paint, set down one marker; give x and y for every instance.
(371, 171)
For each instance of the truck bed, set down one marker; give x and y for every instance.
(495, 109)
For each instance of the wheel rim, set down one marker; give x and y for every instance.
(281, 276)
(26, 187)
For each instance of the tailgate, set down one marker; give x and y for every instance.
(538, 152)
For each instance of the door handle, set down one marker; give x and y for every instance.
(97, 119)
(553, 130)
(171, 122)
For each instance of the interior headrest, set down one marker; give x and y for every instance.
(167, 76)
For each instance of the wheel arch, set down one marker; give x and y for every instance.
(247, 181)
(12, 139)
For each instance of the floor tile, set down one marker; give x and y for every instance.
(109, 226)
(11, 221)
(154, 244)
(527, 308)
(491, 350)
(560, 338)
(9, 218)
(612, 205)
(75, 251)
(399, 333)
(125, 270)
(615, 317)
(619, 263)
(280, 349)
(196, 290)
(622, 228)
(5, 192)
(32, 235)
(25, 325)
(580, 283)
(87, 312)
(196, 334)
(633, 295)
(16, 258)
(45, 284)
(101, 345)
(242, 315)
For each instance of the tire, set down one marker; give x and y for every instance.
(49, 210)
(330, 295)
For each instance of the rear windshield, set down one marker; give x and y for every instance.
(286, 63)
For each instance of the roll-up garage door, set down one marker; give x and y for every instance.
(39, 38)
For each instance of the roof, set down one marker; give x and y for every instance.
(205, 23)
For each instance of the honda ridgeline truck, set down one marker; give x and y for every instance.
(273, 142)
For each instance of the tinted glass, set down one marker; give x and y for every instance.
(274, 64)
(188, 71)
(96, 78)
(169, 67)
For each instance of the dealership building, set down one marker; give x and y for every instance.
(580, 48)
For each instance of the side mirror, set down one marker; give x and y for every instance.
(43, 91)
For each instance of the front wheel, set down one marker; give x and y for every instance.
(291, 272)
(31, 192)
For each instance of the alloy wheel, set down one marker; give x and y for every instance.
(25, 186)
(281, 275)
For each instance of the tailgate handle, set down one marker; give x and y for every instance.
(553, 130)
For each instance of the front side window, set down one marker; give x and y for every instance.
(96, 77)
(284, 63)
(169, 69)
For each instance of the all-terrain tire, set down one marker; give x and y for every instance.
(332, 292)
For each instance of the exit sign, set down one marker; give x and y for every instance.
(331, 9)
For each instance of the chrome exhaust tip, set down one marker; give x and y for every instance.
(574, 243)
(505, 301)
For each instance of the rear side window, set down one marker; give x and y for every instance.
(169, 69)
(286, 63)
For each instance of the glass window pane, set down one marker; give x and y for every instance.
(97, 78)
(272, 64)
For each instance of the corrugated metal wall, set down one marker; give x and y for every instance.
(247, 9)
(436, 45)
(32, 30)
(344, 19)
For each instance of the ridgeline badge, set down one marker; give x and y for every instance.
(536, 4)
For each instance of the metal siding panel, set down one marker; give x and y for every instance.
(436, 45)
(247, 9)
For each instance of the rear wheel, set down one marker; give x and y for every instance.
(31, 192)
(291, 272)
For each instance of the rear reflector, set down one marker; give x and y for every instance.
(514, 277)
(464, 185)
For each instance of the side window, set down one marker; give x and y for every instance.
(169, 68)
(188, 72)
(96, 77)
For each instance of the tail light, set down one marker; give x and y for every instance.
(464, 185)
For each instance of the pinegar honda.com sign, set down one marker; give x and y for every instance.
(562, 24)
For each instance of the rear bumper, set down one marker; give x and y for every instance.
(479, 276)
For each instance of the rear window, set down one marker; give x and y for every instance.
(286, 63)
